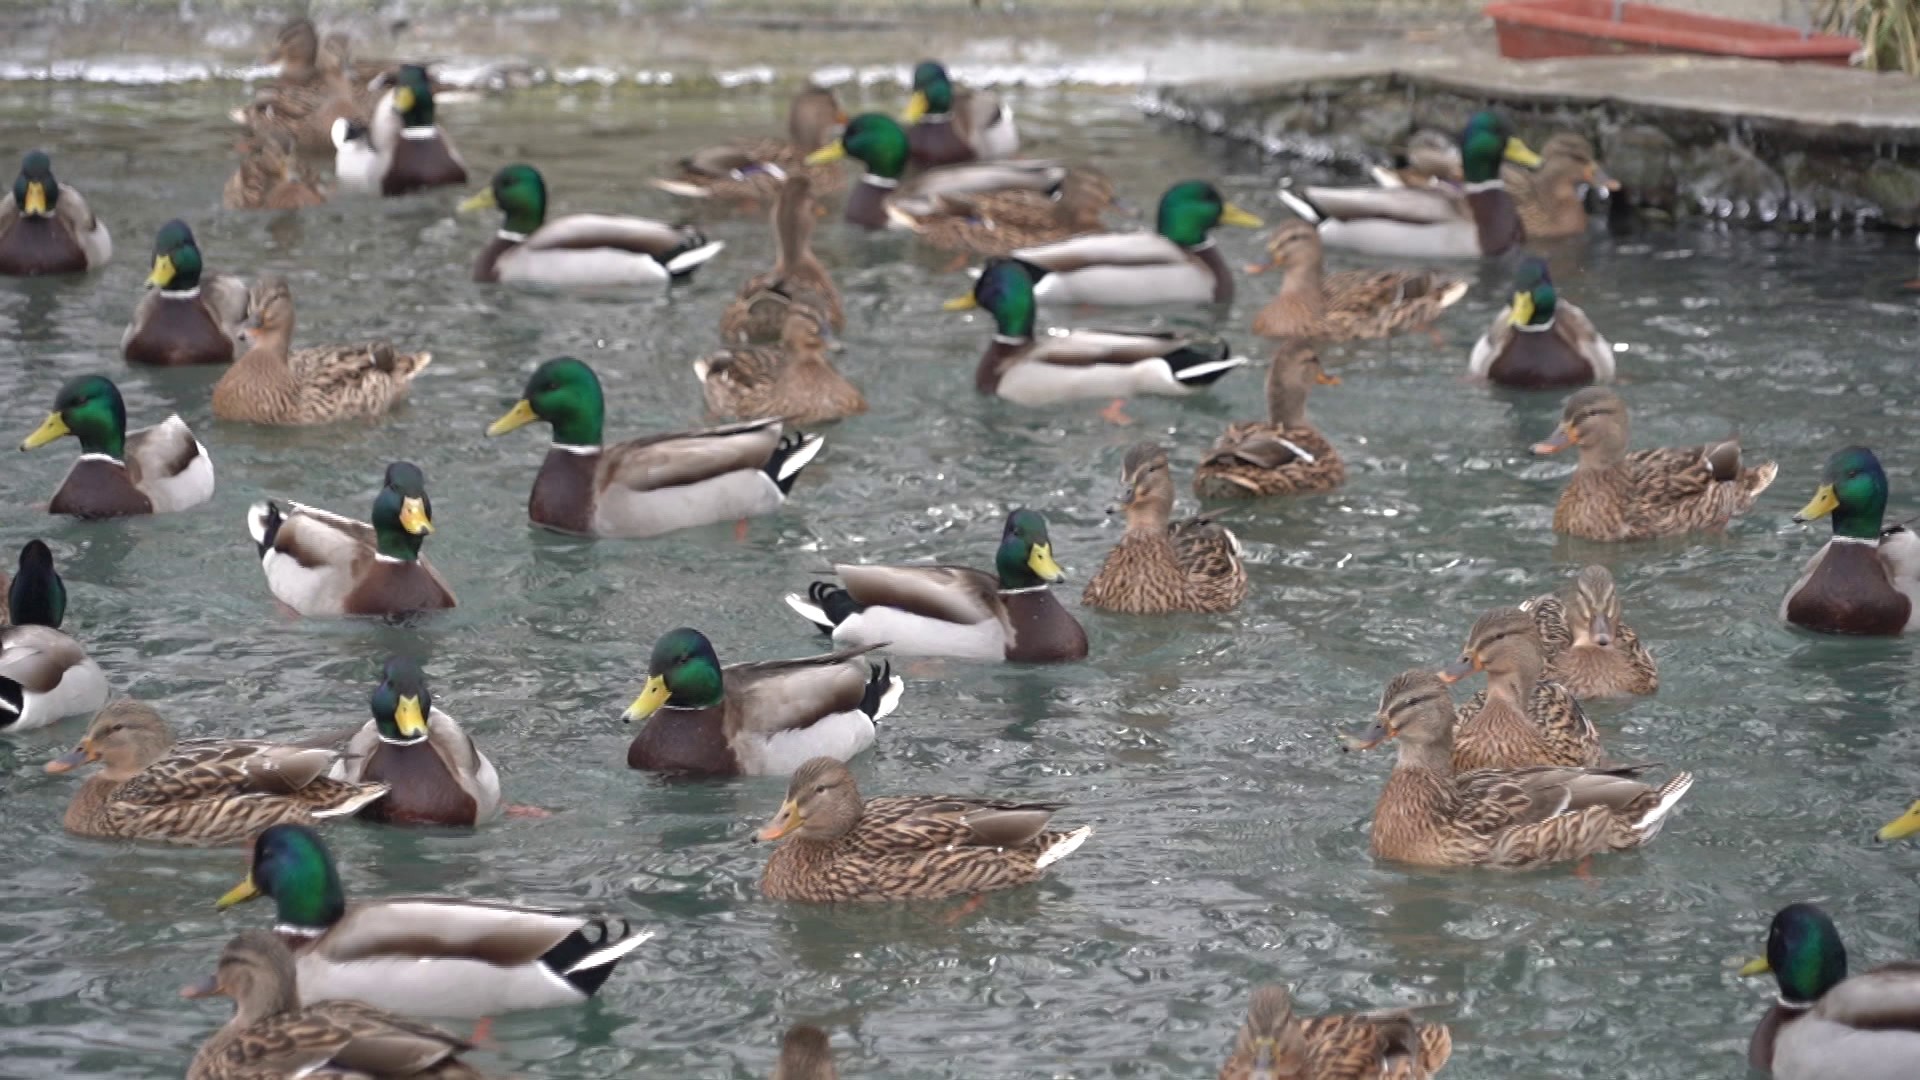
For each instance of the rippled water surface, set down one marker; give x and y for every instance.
(1230, 843)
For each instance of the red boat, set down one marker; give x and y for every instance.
(1539, 29)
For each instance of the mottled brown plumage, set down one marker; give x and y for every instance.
(1283, 455)
(315, 87)
(1550, 197)
(1590, 649)
(1313, 306)
(269, 177)
(793, 380)
(798, 282)
(319, 384)
(1276, 1044)
(1430, 156)
(750, 172)
(996, 223)
(1161, 566)
(805, 1055)
(1522, 720)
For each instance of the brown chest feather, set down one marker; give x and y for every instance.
(1540, 360)
(563, 493)
(424, 792)
(1849, 594)
(98, 488)
(690, 742)
(395, 588)
(1043, 631)
(179, 332)
(931, 145)
(419, 164)
(39, 245)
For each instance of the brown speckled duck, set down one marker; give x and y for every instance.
(909, 847)
(797, 282)
(805, 1054)
(1285, 454)
(1590, 649)
(1617, 495)
(1160, 565)
(319, 384)
(46, 227)
(1866, 579)
(437, 775)
(747, 173)
(1551, 197)
(1276, 1044)
(1352, 305)
(793, 380)
(187, 316)
(269, 177)
(1522, 719)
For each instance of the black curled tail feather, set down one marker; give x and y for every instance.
(595, 935)
(782, 466)
(834, 601)
(1211, 355)
(13, 702)
(873, 702)
(270, 528)
(692, 240)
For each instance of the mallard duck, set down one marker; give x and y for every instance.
(1161, 566)
(1348, 306)
(1064, 365)
(953, 126)
(905, 847)
(1616, 495)
(758, 719)
(44, 674)
(186, 316)
(437, 775)
(1540, 341)
(750, 172)
(651, 486)
(425, 954)
(1285, 454)
(797, 282)
(154, 470)
(320, 384)
(1590, 649)
(46, 227)
(805, 1055)
(793, 380)
(1274, 1044)
(1433, 813)
(1551, 198)
(997, 223)
(319, 563)
(402, 150)
(269, 178)
(1177, 263)
(1825, 1025)
(1523, 719)
(205, 792)
(315, 88)
(578, 249)
(273, 1035)
(1436, 221)
(1865, 580)
(1010, 614)
(1430, 156)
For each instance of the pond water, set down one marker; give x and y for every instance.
(1230, 842)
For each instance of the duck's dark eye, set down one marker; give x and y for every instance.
(821, 790)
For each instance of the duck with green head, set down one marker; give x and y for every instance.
(44, 674)
(1010, 614)
(443, 955)
(953, 126)
(881, 144)
(648, 486)
(1824, 1025)
(320, 563)
(585, 250)
(437, 775)
(46, 226)
(154, 470)
(1866, 579)
(187, 315)
(410, 151)
(1177, 263)
(1541, 340)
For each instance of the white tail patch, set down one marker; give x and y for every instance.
(611, 953)
(1670, 795)
(890, 700)
(1301, 207)
(1384, 176)
(1298, 451)
(687, 260)
(1201, 371)
(1453, 294)
(701, 369)
(1763, 476)
(803, 455)
(355, 805)
(682, 189)
(1063, 847)
(809, 611)
(257, 515)
(901, 219)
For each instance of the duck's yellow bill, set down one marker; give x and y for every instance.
(652, 696)
(960, 303)
(479, 200)
(1233, 215)
(1522, 308)
(833, 151)
(413, 517)
(1756, 966)
(36, 202)
(407, 716)
(1824, 502)
(1520, 153)
(785, 821)
(1040, 561)
(50, 429)
(403, 99)
(1901, 827)
(517, 417)
(1561, 438)
(239, 894)
(917, 107)
(163, 271)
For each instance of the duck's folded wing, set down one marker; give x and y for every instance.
(225, 295)
(1578, 331)
(1490, 800)
(1884, 999)
(955, 594)
(498, 934)
(163, 450)
(37, 657)
(316, 537)
(1669, 475)
(1105, 249)
(587, 232)
(690, 456)
(977, 178)
(1078, 348)
(213, 768)
(939, 821)
(9, 212)
(772, 696)
(385, 1044)
(1550, 619)
(73, 209)
(1492, 343)
(1413, 205)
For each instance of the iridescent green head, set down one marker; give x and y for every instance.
(566, 394)
(1025, 559)
(413, 96)
(88, 408)
(1804, 953)
(35, 191)
(402, 513)
(37, 596)
(683, 672)
(876, 141)
(1487, 141)
(1190, 210)
(292, 865)
(932, 91)
(176, 258)
(1005, 291)
(1534, 297)
(1854, 491)
(402, 702)
(520, 193)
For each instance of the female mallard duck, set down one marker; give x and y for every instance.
(155, 470)
(1864, 580)
(272, 1034)
(793, 380)
(579, 249)
(1010, 614)
(1540, 341)
(269, 178)
(1551, 198)
(1590, 649)
(904, 847)
(1437, 221)
(997, 223)
(1825, 1025)
(186, 316)
(424, 954)
(651, 486)
(405, 151)
(46, 226)
(1616, 495)
(1064, 365)
(320, 384)
(1177, 263)
(1523, 719)
(797, 282)
(437, 775)
(748, 173)
(952, 126)
(1433, 813)
(1274, 1043)
(313, 90)
(805, 1055)
(1160, 566)
(318, 563)
(757, 719)
(1431, 157)
(1348, 306)
(1285, 454)
(204, 792)
(44, 674)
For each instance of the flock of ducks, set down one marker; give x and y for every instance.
(1516, 777)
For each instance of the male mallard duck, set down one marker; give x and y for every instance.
(1274, 1043)
(953, 126)
(269, 177)
(805, 1055)
(272, 1034)
(424, 954)
(1616, 495)
(186, 316)
(1348, 306)
(1824, 1025)
(1285, 454)
(1177, 263)
(1590, 649)
(797, 282)
(204, 792)
(1551, 198)
(319, 384)
(1160, 566)
(1523, 719)
(749, 172)
(578, 249)
(319, 563)
(955, 610)
(1063, 365)
(903, 847)
(409, 152)
(1431, 156)
(1540, 341)
(793, 380)
(44, 674)
(758, 719)
(155, 470)
(1437, 221)
(437, 775)
(651, 486)
(46, 226)
(1433, 813)
(1864, 580)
